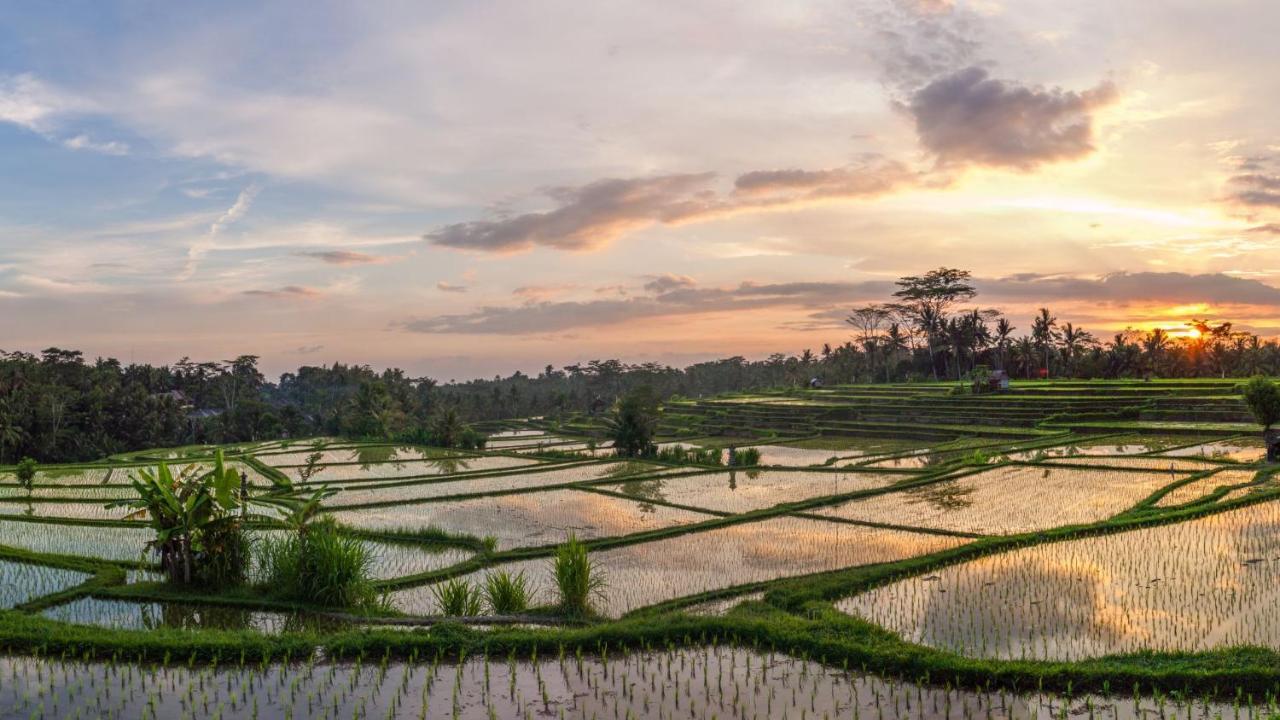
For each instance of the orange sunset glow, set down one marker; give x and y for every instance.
(463, 193)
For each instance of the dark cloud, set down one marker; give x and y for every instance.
(308, 350)
(794, 185)
(342, 257)
(915, 41)
(667, 282)
(1267, 229)
(450, 287)
(286, 292)
(589, 216)
(826, 304)
(596, 214)
(534, 318)
(1254, 190)
(967, 117)
(1123, 287)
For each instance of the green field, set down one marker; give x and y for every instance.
(1063, 549)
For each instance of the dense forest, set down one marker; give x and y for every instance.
(56, 406)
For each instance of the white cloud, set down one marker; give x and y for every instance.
(84, 142)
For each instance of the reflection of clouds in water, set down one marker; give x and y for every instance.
(1205, 583)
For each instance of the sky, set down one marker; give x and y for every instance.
(468, 188)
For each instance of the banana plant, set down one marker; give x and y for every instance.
(186, 510)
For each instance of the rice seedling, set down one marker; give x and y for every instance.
(458, 598)
(1195, 585)
(647, 573)
(1011, 499)
(507, 593)
(578, 578)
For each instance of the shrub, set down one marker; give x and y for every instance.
(634, 422)
(747, 457)
(1263, 398)
(578, 578)
(457, 598)
(321, 565)
(505, 593)
(26, 472)
(472, 439)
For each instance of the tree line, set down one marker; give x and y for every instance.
(57, 406)
(931, 331)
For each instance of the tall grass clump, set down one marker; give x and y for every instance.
(319, 565)
(747, 457)
(506, 593)
(578, 578)
(457, 598)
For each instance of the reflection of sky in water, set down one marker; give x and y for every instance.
(703, 682)
(374, 492)
(1009, 500)
(652, 572)
(1239, 449)
(739, 491)
(1202, 584)
(527, 519)
(1197, 489)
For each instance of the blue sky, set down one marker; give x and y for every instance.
(462, 189)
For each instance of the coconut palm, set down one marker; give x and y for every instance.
(1043, 333)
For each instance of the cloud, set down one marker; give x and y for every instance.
(449, 287)
(967, 117)
(28, 102)
(593, 215)
(542, 292)
(542, 317)
(1254, 190)
(286, 292)
(668, 281)
(308, 349)
(589, 216)
(1125, 287)
(198, 248)
(826, 304)
(84, 142)
(342, 257)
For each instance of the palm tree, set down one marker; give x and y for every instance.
(1025, 349)
(929, 324)
(1154, 346)
(1074, 341)
(1004, 329)
(1043, 334)
(895, 341)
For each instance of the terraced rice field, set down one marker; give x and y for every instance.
(738, 491)
(527, 519)
(947, 533)
(1009, 499)
(1201, 584)
(649, 573)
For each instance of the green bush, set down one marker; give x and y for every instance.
(1263, 398)
(578, 578)
(318, 565)
(747, 457)
(506, 594)
(457, 598)
(634, 422)
(26, 472)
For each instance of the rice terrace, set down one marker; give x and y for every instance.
(886, 549)
(556, 360)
